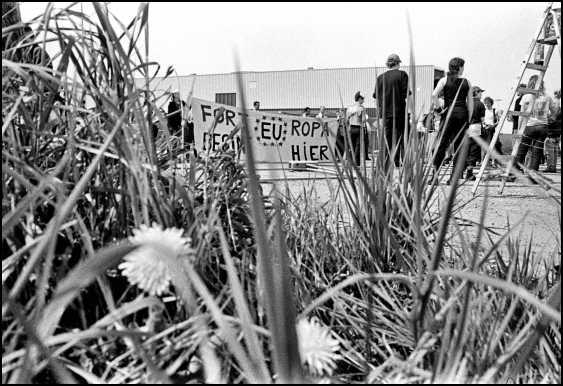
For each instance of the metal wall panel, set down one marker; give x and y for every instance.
(296, 89)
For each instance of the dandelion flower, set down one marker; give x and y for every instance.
(150, 266)
(317, 347)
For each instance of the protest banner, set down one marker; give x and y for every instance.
(275, 137)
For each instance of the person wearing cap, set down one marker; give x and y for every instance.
(391, 94)
(357, 117)
(474, 130)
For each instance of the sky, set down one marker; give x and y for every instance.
(200, 38)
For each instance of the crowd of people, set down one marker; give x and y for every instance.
(457, 105)
(460, 108)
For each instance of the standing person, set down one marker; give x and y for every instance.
(185, 123)
(392, 89)
(535, 132)
(458, 103)
(189, 135)
(341, 132)
(553, 141)
(256, 105)
(174, 114)
(517, 107)
(306, 112)
(357, 118)
(322, 113)
(475, 129)
(491, 117)
(188, 126)
(490, 123)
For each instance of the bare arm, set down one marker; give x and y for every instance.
(470, 107)
(377, 91)
(405, 87)
(437, 91)
(469, 101)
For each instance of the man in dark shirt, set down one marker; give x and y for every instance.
(174, 115)
(391, 94)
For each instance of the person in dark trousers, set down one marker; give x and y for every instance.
(458, 103)
(188, 126)
(391, 94)
(341, 132)
(357, 118)
(475, 128)
(174, 115)
(490, 124)
(541, 108)
(517, 107)
(553, 140)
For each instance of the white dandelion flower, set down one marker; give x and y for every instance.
(149, 266)
(317, 346)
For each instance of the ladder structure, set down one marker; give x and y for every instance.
(543, 38)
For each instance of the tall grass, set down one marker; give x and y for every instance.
(409, 293)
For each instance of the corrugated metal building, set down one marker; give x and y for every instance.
(293, 90)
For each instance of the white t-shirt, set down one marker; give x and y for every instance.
(489, 117)
(356, 115)
(539, 107)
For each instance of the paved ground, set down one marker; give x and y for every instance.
(539, 212)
